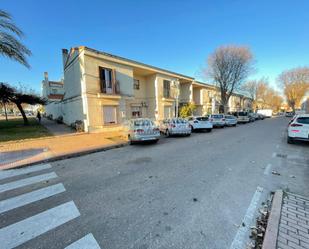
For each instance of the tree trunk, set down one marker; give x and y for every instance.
(20, 108)
(6, 114)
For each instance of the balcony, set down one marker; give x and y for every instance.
(111, 88)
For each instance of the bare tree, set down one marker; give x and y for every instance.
(295, 83)
(229, 66)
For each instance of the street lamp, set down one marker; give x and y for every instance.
(176, 92)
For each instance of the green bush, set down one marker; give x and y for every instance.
(187, 110)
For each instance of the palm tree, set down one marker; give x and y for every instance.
(10, 46)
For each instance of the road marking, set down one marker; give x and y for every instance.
(267, 169)
(242, 234)
(16, 172)
(26, 181)
(22, 231)
(274, 155)
(88, 242)
(28, 198)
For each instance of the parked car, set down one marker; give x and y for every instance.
(289, 114)
(142, 129)
(230, 120)
(175, 126)
(242, 117)
(255, 115)
(261, 116)
(251, 117)
(217, 120)
(200, 123)
(298, 129)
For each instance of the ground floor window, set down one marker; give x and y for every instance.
(109, 115)
(136, 111)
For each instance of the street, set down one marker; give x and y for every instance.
(184, 192)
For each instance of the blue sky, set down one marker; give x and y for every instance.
(176, 35)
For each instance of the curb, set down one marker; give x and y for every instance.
(271, 234)
(69, 155)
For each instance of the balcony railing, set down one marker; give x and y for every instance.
(113, 89)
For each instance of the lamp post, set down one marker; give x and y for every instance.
(176, 91)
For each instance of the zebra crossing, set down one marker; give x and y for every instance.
(30, 228)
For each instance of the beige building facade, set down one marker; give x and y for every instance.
(104, 91)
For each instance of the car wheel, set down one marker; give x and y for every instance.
(234, 125)
(130, 141)
(208, 130)
(290, 140)
(155, 141)
(167, 133)
(192, 129)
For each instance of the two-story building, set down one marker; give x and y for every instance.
(104, 90)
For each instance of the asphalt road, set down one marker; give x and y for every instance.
(184, 192)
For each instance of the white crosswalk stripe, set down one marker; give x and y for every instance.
(26, 181)
(33, 196)
(22, 231)
(87, 242)
(25, 230)
(16, 172)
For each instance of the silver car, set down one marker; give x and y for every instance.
(141, 130)
(175, 126)
(230, 120)
(217, 120)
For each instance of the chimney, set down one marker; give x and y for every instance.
(64, 56)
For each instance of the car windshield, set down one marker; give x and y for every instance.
(303, 120)
(179, 121)
(143, 122)
(243, 114)
(229, 117)
(202, 118)
(217, 116)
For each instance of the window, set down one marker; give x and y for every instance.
(136, 84)
(136, 112)
(106, 80)
(303, 120)
(166, 88)
(202, 118)
(54, 91)
(110, 115)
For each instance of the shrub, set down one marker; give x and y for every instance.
(187, 110)
(59, 120)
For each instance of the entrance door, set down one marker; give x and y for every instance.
(167, 111)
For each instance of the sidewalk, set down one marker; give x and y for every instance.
(31, 151)
(288, 225)
(55, 128)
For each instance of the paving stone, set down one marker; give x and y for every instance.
(294, 223)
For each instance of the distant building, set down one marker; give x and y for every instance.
(52, 90)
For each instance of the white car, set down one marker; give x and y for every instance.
(230, 120)
(243, 117)
(175, 126)
(217, 120)
(141, 130)
(200, 123)
(298, 128)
